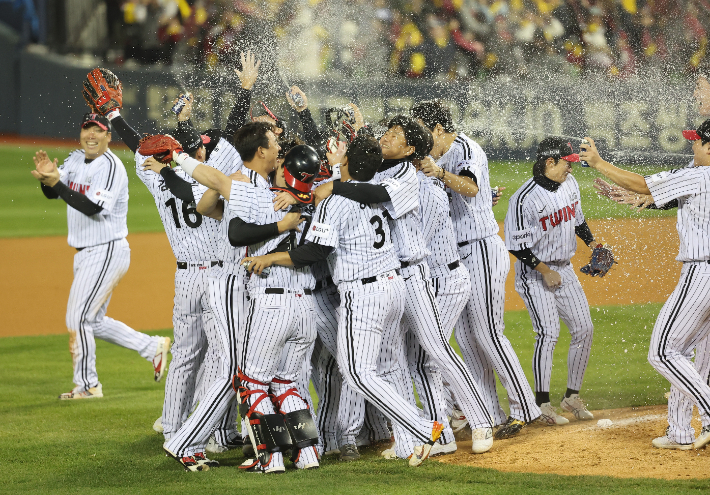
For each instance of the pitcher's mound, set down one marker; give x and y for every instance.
(623, 449)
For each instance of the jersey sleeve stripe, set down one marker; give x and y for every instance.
(402, 171)
(519, 206)
(324, 205)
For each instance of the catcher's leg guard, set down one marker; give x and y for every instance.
(302, 428)
(268, 432)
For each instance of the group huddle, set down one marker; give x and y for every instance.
(345, 258)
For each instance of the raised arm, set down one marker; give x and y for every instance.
(247, 77)
(628, 180)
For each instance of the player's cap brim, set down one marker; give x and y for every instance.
(571, 158)
(691, 135)
(205, 138)
(101, 125)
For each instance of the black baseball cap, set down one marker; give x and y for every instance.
(702, 132)
(189, 138)
(95, 118)
(556, 147)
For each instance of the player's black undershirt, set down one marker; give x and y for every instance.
(129, 135)
(668, 206)
(73, 198)
(309, 253)
(179, 187)
(584, 233)
(546, 183)
(361, 192)
(241, 233)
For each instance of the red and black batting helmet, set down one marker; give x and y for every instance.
(301, 166)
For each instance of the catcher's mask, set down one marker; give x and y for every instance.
(301, 166)
(341, 123)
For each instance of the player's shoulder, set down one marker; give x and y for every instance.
(525, 191)
(467, 148)
(75, 157)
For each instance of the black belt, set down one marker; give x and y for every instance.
(453, 265)
(182, 265)
(278, 290)
(405, 264)
(465, 243)
(321, 284)
(369, 280)
(80, 249)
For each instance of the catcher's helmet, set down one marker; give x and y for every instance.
(301, 166)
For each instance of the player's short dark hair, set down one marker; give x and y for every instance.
(364, 157)
(415, 135)
(433, 112)
(250, 137)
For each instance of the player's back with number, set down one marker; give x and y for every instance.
(191, 235)
(361, 234)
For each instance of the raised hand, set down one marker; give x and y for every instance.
(250, 69)
(359, 119)
(46, 170)
(153, 165)
(186, 111)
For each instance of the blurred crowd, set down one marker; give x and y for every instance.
(434, 39)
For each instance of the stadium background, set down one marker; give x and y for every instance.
(638, 114)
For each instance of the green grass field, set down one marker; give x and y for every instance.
(108, 446)
(27, 213)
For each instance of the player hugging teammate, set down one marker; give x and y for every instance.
(349, 260)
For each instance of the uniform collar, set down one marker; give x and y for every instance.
(392, 162)
(546, 183)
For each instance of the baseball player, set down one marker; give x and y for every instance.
(371, 293)
(227, 283)
(398, 188)
(462, 166)
(543, 217)
(94, 184)
(683, 322)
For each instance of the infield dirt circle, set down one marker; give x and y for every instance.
(38, 275)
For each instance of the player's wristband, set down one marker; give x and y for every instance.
(113, 114)
(186, 162)
(336, 172)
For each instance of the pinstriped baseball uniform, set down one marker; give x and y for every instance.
(684, 320)
(194, 240)
(279, 330)
(452, 289)
(226, 285)
(543, 219)
(370, 311)
(102, 260)
(421, 313)
(479, 331)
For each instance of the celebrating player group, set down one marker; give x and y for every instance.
(347, 257)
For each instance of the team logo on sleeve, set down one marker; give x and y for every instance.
(320, 229)
(103, 195)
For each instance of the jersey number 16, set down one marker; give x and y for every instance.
(187, 211)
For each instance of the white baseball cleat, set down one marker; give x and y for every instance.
(575, 405)
(158, 425)
(421, 452)
(160, 360)
(666, 443)
(550, 417)
(458, 420)
(703, 439)
(481, 440)
(443, 449)
(389, 453)
(92, 393)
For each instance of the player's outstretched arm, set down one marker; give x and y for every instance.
(628, 180)
(241, 233)
(304, 255)
(47, 173)
(461, 184)
(205, 175)
(247, 77)
(211, 205)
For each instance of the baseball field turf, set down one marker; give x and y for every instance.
(108, 445)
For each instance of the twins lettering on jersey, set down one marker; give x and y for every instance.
(560, 216)
(80, 188)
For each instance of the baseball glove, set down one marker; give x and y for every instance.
(159, 146)
(601, 262)
(103, 91)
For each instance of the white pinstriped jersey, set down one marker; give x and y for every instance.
(544, 220)
(192, 237)
(105, 182)
(691, 187)
(226, 159)
(436, 225)
(253, 202)
(473, 217)
(360, 235)
(403, 210)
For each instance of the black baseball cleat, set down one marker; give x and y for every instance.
(510, 428)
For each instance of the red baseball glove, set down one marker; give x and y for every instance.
(160, 147)
(103, 91)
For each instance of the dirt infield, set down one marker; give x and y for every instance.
(38, 275)
(582, 448)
